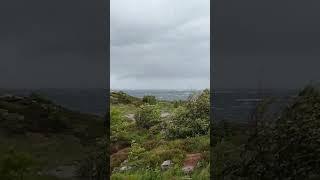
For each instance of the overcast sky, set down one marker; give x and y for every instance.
(277, 42)
(52, 44)
(160, 44)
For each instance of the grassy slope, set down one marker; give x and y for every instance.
(157, 149)
(49, 148)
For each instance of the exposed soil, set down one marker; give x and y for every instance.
(191, 162)
(119, 157)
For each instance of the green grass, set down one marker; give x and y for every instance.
(151, 147)
(126, 108)
(158, 149)
(171, 174)
(166, 106)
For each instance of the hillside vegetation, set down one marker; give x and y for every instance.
(282, 146)
(153, 139)
(42, 140)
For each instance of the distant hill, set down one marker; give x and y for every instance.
(34, 113)
(91, 101)
(120, 97)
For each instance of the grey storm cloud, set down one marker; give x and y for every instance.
(275, 42)
(52, 44)
(160, 44)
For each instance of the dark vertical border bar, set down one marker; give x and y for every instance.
(107, 48)
(212, 26)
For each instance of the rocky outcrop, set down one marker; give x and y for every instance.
(165, 114)
(166, 164)
(125, 168)
(130, 117)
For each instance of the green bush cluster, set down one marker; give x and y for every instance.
(150, 100)
(119, 125)
(135, 152)
(147, 116)
(286, 147)
(192, 119)
(149, 131)
(178, 103)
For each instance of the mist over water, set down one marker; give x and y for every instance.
(168, 95)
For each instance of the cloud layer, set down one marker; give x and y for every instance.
(160, 44)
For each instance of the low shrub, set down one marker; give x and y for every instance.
(136, 151)
(150, 100)
(190, 120)
(155, 157)
(147, 116)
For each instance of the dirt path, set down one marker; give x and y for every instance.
(131, 116)
(118, 157)
(191, 161)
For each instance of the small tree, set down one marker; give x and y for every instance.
(136, 151)
(199, 105)
(176, 104)
(192, 119)
(147, 116)
(150, 100)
